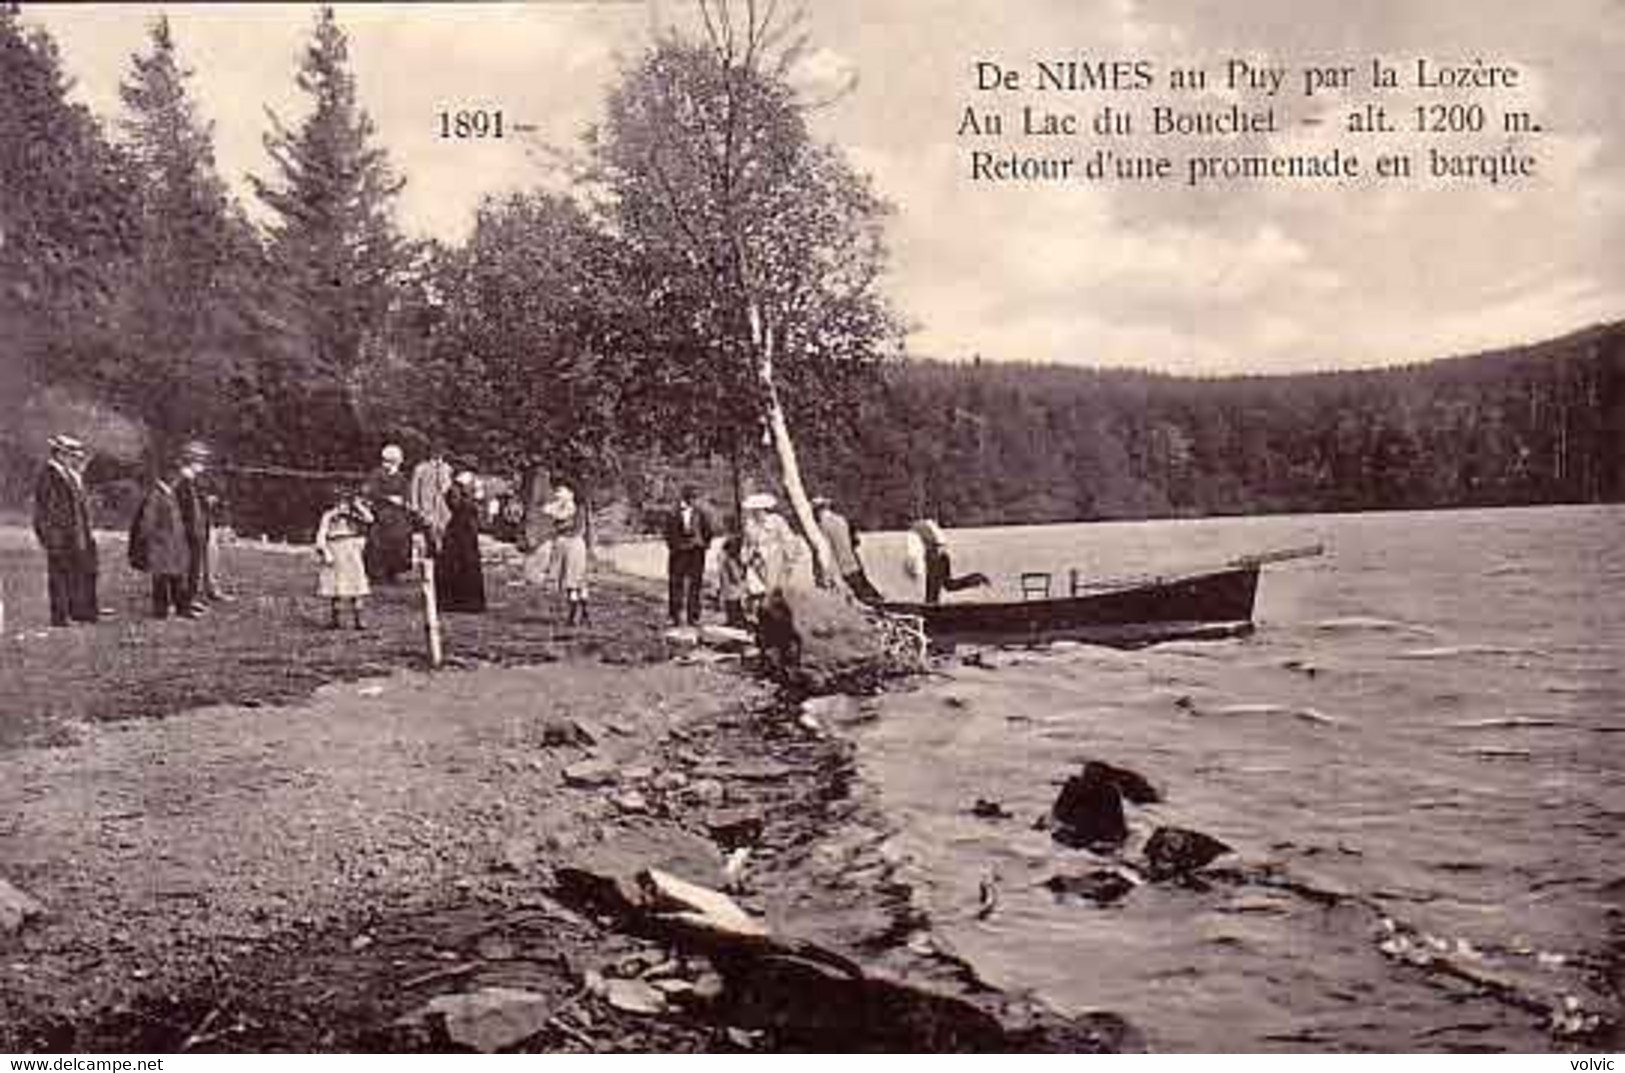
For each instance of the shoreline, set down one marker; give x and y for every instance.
(301, 876)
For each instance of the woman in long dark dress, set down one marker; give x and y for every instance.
(389, 547)
(459, 580)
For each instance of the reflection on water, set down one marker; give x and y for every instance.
(1426, 723)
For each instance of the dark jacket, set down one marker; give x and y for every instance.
(164, 532)
(194, 511)
(696, 536)
(62, 514)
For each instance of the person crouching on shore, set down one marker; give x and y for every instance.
(341, 544)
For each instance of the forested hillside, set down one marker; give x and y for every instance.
(988, 442)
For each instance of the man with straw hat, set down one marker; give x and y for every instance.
(773, 551)
(62, 524)
(195, 521)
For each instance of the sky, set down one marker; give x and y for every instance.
(1217, 279)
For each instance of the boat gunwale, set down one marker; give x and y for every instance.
(928, 611)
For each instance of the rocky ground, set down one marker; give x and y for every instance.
(383, 862)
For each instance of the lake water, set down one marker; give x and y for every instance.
(1429, 722)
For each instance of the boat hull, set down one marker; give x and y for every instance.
(1217, 603)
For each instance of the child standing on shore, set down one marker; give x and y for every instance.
(570, 551)
(341, 540)
(733, 589)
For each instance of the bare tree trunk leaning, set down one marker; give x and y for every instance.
(785, 449)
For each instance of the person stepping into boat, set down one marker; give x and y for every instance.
(927, 557)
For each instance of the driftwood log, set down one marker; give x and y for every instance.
(807, 995)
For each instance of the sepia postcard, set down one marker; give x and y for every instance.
(860, 525)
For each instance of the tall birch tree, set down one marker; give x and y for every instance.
(760, 249)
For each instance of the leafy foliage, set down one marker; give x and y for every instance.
(523, 365)
(725, 201)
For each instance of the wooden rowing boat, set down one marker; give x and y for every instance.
(1124, 613)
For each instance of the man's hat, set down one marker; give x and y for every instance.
(196, 451)
(759, 501)
(820, 501)
(67, 444)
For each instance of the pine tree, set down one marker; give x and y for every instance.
(335, 252)
(185, 308)
(64, 213)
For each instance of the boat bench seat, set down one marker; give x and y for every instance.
(1035, 585)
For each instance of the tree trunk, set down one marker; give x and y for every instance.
(535, 486)
(738, 480)
(785, 449)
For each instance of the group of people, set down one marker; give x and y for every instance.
(172, 537)
(766, 553)
(763, 554)
(373, 531)
(366, 536)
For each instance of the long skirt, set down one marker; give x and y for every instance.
(346, 575)
(389, 546)
(459, 579)
(570, 563)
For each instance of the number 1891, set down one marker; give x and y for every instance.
(471, 123)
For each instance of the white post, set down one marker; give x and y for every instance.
(431, 610)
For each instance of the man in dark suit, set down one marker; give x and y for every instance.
(194, 511)
(688, 534)
(62, 524)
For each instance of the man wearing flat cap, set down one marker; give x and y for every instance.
(62, 524)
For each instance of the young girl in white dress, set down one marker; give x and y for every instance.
(341, 540)
(570, 561)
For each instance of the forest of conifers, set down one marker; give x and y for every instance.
(988, 443)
